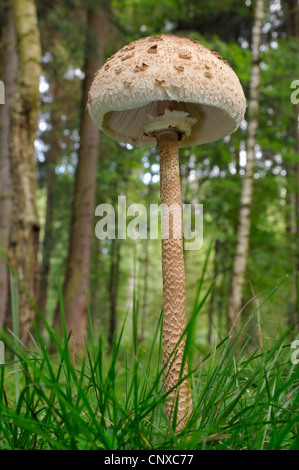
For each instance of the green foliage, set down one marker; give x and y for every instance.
(116, 402)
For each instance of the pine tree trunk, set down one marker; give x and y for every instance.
(76, 286)
(212, 306)
(291, 18)
(296, 280)
(48, 235)
(145, 288)
(146, 270)
(9, 67)
(295, 18)
(242, 246)
(24, 241)
(113, 289)
(50, 163)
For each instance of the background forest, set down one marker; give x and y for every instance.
(72, 169)
(56, 167)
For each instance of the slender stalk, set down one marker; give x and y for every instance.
(173, 271)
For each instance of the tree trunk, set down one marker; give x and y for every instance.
(50, 178)
(113, 289)
(295, 33)
(212, 306)
(146, 269)
(9, 67)
(76, 285)
(296, 280)
(47, 241)
(145, 288)
(24, 241)
(241, 255)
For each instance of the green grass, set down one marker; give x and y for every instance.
(244, 397)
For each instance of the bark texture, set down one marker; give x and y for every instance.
(295, 32)
(113, 289)
(241, 254)
(9, 67)
(50, 178)
(173, 272)
(76, 286)
(291, 16)
(24, 241)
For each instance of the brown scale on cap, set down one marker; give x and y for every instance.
(141, 68)
(185, 55)
(153, 49)
(179, 68)
(128, 83)
(126, 57)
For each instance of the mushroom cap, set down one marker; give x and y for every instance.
(128, 89)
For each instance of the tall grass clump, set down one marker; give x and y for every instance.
(243, 397)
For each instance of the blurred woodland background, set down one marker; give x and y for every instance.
(56, 167)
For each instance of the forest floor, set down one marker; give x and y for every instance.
(244, 397)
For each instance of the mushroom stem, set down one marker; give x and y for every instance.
(173, 271)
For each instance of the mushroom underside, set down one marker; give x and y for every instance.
(129, 126)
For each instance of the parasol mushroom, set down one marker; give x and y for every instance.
(171, 92)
